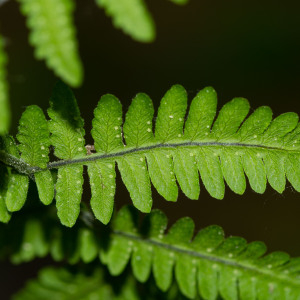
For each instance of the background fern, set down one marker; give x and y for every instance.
(91, 282)
(263, 149)
(4, 104)
(53, 35)
(205, 264)
(62, 284)
(132, 17)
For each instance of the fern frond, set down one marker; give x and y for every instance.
(132, 16)
(4, 104)
(205, 264)
(62, 284)
(222, 149)
(52, 33)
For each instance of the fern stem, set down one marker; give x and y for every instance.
(24, 168)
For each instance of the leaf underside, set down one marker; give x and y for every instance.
(205, 264)
(225, 149)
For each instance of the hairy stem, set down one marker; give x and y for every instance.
(24, 168)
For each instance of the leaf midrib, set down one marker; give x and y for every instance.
(130, 150)
(24, 168)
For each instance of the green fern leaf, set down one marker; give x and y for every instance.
(34, 138)
(132, 16)
(205, 264)
(33, 243)
(15, 189)
(53, 36)
(107, 136)
(62, 284)
(88, 245)
(208, 264)
(66, 127)
(225, 149)
(4, 213)
(4, 105)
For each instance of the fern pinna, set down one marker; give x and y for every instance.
(62, 284)
(219, 150)
(4, 103)
(53, 36)
(205, 264)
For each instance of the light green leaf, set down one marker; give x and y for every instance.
(138, 123)
(52, 33)
(229, 119)
(17, 185)
(171, 113)
(107, 125)
(210, 172)
(33, 244)
(255, 170)
(88, 245)
(4, 102)
(201, 115)
(103, 185)
(186, 172)
(34, 138)
(4, 213)
(160, 167)
(135, 176)
(132, 17)
(66, 127)
(141, 261)
(62, 284)
(68, 194)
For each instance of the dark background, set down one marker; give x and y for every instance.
(241, 48)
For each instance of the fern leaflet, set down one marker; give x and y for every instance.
(205, 265)
(132, 17)
(62, 284)
(53, 36)
(4, 104)
(226, 149)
